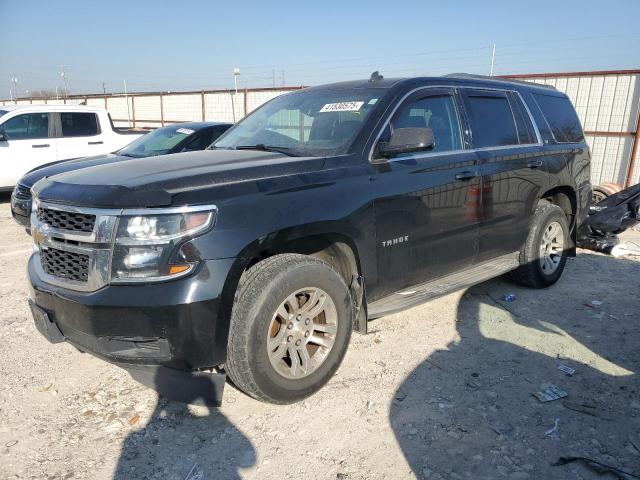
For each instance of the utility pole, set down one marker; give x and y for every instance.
(57, 94)
(63, 74)
(104, 89)
(283, 78)
(126, 99)
(236, 74)
(273, 77)
(14, 81)
(493, 60)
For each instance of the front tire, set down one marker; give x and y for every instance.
(545, 252)
(290, 328)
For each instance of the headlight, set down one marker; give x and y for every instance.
(145, 245)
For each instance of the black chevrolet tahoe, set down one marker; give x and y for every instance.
(324, 208)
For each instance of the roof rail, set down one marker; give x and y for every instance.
(496, 79)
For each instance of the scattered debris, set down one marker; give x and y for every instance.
(11, 443)
(549, 392)
(502, 428)
(596, 303)
(509, 297)
(568, 370)
(556, 423)
(610, 217)
(400, 396)
(581, 408)
(341, 476)
(195, 473)
(135, 419)
(597, 467)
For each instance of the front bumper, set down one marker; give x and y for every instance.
(174, 324)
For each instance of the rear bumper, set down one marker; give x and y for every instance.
(174, 324)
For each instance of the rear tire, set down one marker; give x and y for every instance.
(290, 328)
(544, 256)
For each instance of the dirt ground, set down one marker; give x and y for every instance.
(442, 391)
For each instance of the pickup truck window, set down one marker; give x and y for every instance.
(27, 126)
(492, 122)
(437, 113)
(561, 117)
(306, 123)
(157, 142)
(79, 124)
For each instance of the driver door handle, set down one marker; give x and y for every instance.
(40, 145)
(96, 143)
(534, 163)
(468, 175)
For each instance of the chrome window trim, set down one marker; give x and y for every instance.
(539, 142)
(98, 245)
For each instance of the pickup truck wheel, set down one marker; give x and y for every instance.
(545, 252)
(290, 328)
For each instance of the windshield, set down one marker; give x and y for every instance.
(157, 142)
(2, 112)
(306, 123)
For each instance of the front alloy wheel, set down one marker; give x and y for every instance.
(290, 328)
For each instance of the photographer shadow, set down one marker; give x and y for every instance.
(467, 411)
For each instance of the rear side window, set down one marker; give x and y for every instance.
(79, 124)
(492, 121)
(561, 117)
(27, 126)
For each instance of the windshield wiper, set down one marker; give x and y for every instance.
(267, 148)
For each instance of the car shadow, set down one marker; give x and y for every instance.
(468, 411)
(185, 442)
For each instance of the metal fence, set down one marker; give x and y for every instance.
(607, 102)
(157, 109)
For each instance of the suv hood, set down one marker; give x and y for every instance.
(62, 166)
(156, 181)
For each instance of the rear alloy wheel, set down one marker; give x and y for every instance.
(544, 254)
(290, 328)
(551, 248)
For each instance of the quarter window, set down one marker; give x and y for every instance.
(437, 113)
(492, 121)
(27, 126)
(561, 117)
(79, 124)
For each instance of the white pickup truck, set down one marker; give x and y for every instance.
(32, 135)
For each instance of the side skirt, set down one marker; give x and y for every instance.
(416, 295)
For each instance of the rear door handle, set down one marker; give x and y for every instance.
(466, 175)
(41, 145)
(96, 143)
(534, 164)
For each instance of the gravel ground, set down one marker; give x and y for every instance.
(442, 391)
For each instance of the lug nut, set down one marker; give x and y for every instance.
(290, 326)
(298, 343)
(299, 317)
(307, 321)
(307, 333)
(289, 338)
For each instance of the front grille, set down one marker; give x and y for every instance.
(22, 193)
(67, 265)
(76, 222)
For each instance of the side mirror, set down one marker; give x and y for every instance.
(3, 137)
(407, 140)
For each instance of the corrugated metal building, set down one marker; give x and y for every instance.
(608, 104)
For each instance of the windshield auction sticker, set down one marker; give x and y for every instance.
(342, 107)
(186, 131)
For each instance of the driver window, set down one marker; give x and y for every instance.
(437, 113)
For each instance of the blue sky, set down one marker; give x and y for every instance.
(161, 45)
